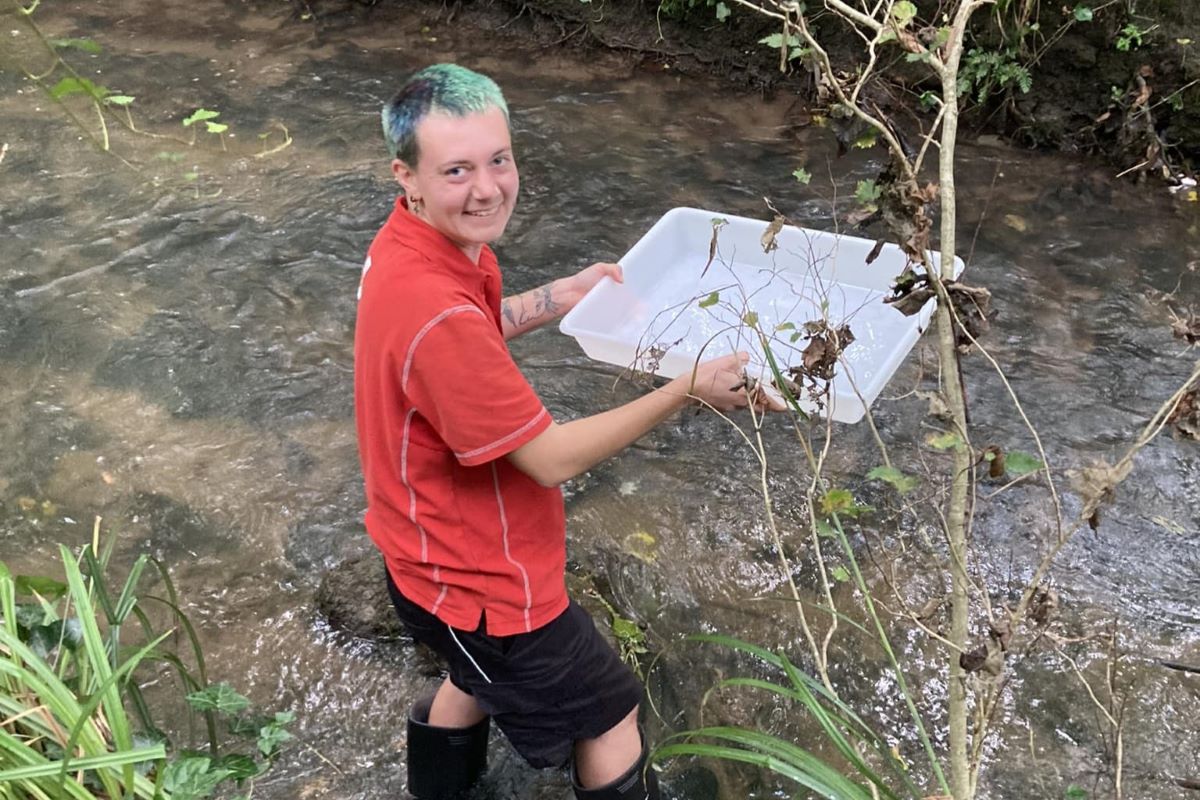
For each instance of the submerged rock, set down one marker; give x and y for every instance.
(353, 598)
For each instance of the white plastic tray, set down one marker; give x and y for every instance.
(655, 321)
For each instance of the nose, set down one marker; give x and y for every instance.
(485, 186)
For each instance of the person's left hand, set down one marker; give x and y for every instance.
(579, 284)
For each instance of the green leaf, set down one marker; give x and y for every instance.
(626, 630)
(86, 45)
(787, 326)
(723, 12)
(118, 99)
(711, 300)
(192, 778)
(239, 766)
(944, 441)
(69, 86)
(36, 584)
(1075, 793)
(901, 482)
(29, 615)
(867, 192)
(216, 127)
(1083, 14)
(867, 140)
(836, 501)
(1018, 463)
(904, 12)
(802, 175)
(200, 115)
(191, 176)
(840, 574)
(272, 735)
(220, 697)
(750, 318)
(775, 40)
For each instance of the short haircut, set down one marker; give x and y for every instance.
(446, 88)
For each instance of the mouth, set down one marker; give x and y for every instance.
(485, 213)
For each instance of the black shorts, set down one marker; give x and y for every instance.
(546, 689)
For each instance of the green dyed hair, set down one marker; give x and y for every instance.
(445, 88)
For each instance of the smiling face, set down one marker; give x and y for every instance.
(465, 177)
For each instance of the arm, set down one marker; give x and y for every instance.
(564, 451)
(523, 312)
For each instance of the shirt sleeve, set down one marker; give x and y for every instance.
(460, 376)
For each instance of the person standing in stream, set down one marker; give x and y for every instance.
(462, 462)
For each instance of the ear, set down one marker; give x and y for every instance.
(406, 176)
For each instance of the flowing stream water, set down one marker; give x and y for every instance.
(176, 357)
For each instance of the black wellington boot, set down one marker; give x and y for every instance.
(639, 783)
(443, 763)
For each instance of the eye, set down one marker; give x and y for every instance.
(501, 160)
(455, 172)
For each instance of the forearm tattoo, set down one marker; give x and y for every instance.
(530, 308)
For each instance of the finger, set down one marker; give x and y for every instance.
(616, 273)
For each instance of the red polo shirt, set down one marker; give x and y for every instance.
(439, 402)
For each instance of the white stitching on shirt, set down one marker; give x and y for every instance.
(412, 507)
(507, 554)
(503, 439)
(412, 348)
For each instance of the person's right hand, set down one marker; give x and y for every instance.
(721, 384)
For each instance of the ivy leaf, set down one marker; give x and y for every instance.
(786, 326)
(1083, 14)
(840, 574)
(273, 734)
(750, 318)
(802, 175)
(711, 300)
(216, 127)
(723, 12)
(890, 475)
(118, 99)
(867, 192)
(192, 778)
(1017, 463)
(86, 45)
(220, 697)
(200, 115)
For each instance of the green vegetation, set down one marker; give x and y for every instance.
(74, 722)
(80, 99)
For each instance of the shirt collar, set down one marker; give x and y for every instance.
(420, 235)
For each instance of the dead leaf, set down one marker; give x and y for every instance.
(107, 478)
(1043, 606)
(1016, 223)
(1097, 485)
(1186, 415)
(972, 304)
(875, 251)
(717, 224)
(938, 408)
(1186, 329)
(995, 462)
(773, 229)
